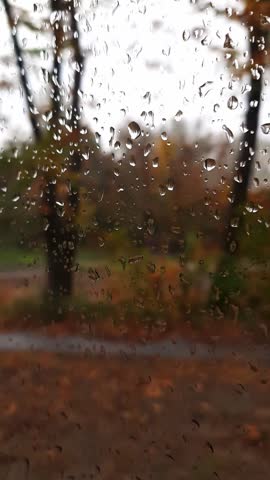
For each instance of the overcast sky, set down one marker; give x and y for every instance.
(134, 47)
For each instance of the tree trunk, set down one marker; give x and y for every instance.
(227, 278)
(248, 151)
(61, 234)
(61, 240)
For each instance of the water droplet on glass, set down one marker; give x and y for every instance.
(97, 138)
(265, 20)
(155, 162)
(233, 246)
(265, 128)
(170, 185)
(162, 190)
(234, 222)
(228, 42)
(144, 115)
(178, 115)
(255, 73)
(151, 267)
(186, 35)
(256, 181)
(129, 144)
(243, 127)
(135, 259)
(164, 136)
(209, 164)
(238, 178)
(151, 227)
(134, 130)
(132, 162)
(229, 133)
(258, 165)
(232, 103)
(147, 150)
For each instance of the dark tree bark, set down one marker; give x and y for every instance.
(228, 278)
(247, 154)
(62, 233)
(57, 64)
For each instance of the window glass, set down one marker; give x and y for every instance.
(135, 240)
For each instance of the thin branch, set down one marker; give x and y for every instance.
(79, 61)
(57, 65)
(22, 70)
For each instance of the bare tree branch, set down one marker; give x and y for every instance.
(79, 64)
(23, 74)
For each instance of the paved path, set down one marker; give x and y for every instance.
(181, 349)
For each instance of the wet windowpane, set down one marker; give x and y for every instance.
(135, 239)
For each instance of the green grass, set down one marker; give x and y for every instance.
(15, 257)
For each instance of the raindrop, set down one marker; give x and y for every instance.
(256, 182)
(151, 267)
(178, 115)
(238, 178)
(232, 103)
(228, 42)
(134, 130)
(135, 259)
(255, 73)
(243, 127)
(234, 222)
(93, 274)
(147, 96)
(155, 162)
(233, 246)
(97, 138)
(129, 144)
(170, 185)
(151, 228)
(176, 229)
(15, 198)
(186, 35)
(162, 190)
(265, 20)
(209, 164)
(229, 133)
(147, 150)
(258, 165)
(204, 88)
(265, 128)
(251, 208)
(101, 242)
(112, 132)
(144, 115)
(55, 17)
(164, 136)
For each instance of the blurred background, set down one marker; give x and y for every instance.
(134, 169)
